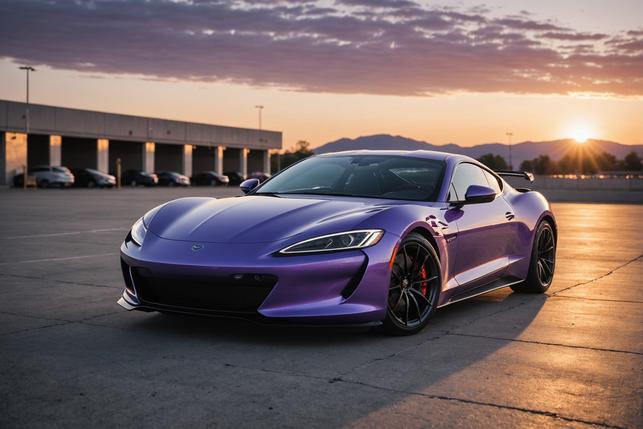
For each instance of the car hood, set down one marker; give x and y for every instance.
(255, 219)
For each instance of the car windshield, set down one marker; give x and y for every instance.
(373, 176)
(60, 169)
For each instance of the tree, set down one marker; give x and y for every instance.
(527, 165)
(494, 162)
(300, 151)
(541, 165)
(632, 162)
(606, 162)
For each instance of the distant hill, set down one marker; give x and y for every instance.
(556, 149)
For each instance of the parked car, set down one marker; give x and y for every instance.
(260, 175)
(47, 176)
(234, 177)
(90, 178)
(139, 177)
(172, 178)
(377, 237)
(209, 178)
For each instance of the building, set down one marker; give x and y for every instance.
(87, 139)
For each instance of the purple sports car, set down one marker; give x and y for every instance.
(353, 238)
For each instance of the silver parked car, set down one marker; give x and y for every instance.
(47, 176)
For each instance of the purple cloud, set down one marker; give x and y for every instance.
(398, 47)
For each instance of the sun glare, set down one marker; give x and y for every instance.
(580, 133)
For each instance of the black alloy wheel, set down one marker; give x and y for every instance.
(414, 286)
(543, 261)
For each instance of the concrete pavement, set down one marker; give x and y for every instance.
(70, 357)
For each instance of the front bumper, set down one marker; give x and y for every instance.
(348, 287)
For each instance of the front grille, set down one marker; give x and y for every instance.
(241, 293)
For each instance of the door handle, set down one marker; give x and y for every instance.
(509, 215)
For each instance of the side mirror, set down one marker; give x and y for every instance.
(248, 185)
(479, 194)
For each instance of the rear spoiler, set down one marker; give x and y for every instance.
(521, 174)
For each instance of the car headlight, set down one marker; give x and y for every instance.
(339, 241)
(139, 229)
(138, 232)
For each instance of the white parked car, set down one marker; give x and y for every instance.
(47, 176)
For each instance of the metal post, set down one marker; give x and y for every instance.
(118, 173)
(24, 177)
(27, 69)
(509, 134)
(259, 108)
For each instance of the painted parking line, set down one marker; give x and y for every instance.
(61, 234)
(69, 258)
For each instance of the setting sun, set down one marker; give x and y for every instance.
(580, 133)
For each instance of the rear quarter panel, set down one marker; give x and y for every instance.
(529, 208)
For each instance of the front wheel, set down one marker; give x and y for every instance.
(543, 261)
(414, 287)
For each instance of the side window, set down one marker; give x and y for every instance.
(494, 183)
(466, 175)
(452, 196)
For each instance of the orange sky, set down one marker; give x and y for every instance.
(445, 87)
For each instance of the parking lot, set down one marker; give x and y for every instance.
(71, 357)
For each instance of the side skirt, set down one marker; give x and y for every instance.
(489, 287)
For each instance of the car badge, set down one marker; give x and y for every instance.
(196, 247)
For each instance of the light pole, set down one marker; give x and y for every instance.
(509, 135)
(259, 108)
(27, 69)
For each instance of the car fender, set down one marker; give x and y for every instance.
(428, 221)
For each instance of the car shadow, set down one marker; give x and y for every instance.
(447, 320)
(379, 373)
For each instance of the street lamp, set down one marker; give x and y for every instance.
(509, 135)
(259, 108)
(27, 69)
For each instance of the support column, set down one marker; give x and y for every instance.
(149, 148)
(243, 161)
(187, 160)
(13, 156)
(266, 161)
(55, 150)
(218, 159)
(102, 155)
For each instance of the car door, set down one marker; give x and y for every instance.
(484, 229)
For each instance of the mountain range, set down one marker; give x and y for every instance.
(556, 149)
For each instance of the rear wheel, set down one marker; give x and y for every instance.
(543, 261)
(414, 286)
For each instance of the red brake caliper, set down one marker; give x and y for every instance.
(423, 276)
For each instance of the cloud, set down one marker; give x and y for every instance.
(574, 36)
(351, 46)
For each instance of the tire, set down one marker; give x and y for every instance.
(414, 288)
(543, 261)
(171, 184)
(44, 183)
(213, 182)
(91, 184)
(133, 183)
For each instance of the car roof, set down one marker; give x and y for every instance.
(426, 154)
